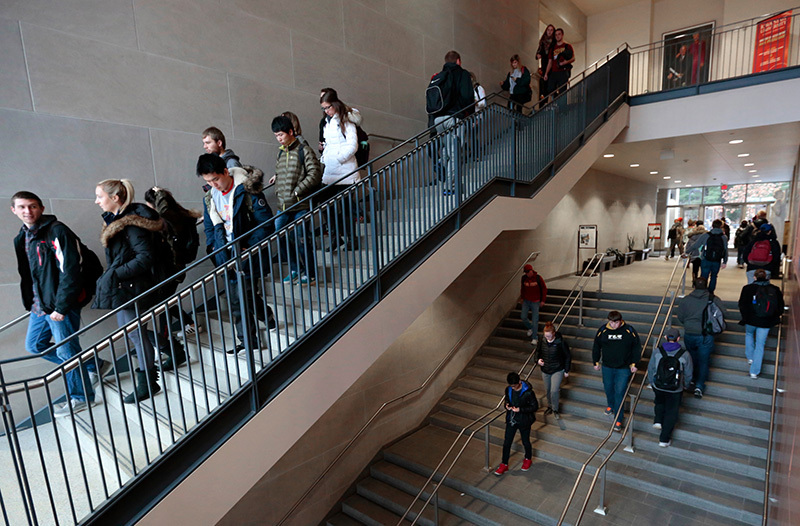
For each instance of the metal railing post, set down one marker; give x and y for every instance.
(580, 308)
(629, 439)
(487, 468)
(669, 318)
(435, 505)
(602, 267)
(683, 285)
(601, 508)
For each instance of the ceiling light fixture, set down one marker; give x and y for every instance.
(757, 180)
(743, 155)
(635, 165)
(653, 173)
(688, 185)
(752, 171)
(667, 177)
(736, 141)
(608, 155)
(676, 182)
(749, 164)
(756, 175)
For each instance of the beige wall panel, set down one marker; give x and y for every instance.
(384, 123)
(738, 10)
(376, 5)
(59, 157)
(481, 42)
(84, 217)
(76, 77)
(429, 18)
(110, 21)
(244, 45)
(322, 20)
(255, 104)
(408, 95)
(673, 15)
(609, 29)
(357, 80)
(14, 89)
(380, 38)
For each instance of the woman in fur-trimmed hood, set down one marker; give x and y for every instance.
(128, 238)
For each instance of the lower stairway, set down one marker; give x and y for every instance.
(713, 474)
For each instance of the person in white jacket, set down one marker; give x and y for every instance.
(339, 158)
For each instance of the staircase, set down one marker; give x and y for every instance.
(712, 474)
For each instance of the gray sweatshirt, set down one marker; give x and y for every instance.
(686, 363)
(699, 241)
(690, 310)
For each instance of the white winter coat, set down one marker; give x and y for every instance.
(339, 155)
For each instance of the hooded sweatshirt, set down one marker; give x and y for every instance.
(747, 301)
(619, 348)
(699, 240)
(690, 310)
(686, 364)
(691, 237)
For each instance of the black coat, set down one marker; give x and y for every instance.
(747, 311)
(555, 354)
(526, 400)
(52, 267)
(130, 259)
(774, 266)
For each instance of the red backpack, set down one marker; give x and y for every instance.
(761, 253)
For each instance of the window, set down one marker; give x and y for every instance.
(765, 192)
(691, 196)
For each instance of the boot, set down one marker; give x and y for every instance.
(180, 356)
(142, 392)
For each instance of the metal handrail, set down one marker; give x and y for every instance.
(599, 256)
(775, 391)
(13, 322)
(422, 386)
(621, 406)
(486, 424)
(719, 29)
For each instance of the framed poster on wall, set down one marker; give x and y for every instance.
(772, 42)
(654, 230)
(687, 53)
(587, 236)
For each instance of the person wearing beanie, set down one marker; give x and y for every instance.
(669, 379)
(532, 294)
(761, 306)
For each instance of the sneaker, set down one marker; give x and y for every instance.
(529, 332)
(749, 362)
(698, 393)
(526, 465)
(535, 341)
(548, 411)
(657, 426)
(77, 407)
(502, 468)
(618, 427)
(665, 444)
(753, 376)
(105, 368)
(608, 411)
(305, 280)
(291, 278)
(236, 350)
(556, 414)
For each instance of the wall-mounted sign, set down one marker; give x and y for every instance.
(587, 236)
(654, 230)
(772, 42)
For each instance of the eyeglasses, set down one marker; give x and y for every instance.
(326, 108)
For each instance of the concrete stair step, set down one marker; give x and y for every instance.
(395, 501)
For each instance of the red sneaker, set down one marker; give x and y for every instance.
(526, 464)
(502, 468)
(618, 427)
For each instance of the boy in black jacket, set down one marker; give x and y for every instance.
(618, 346)
(521, 406)
(49, 265)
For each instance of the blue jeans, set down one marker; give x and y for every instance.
(700, 348)
(37, 340)
(615, 382)
(754, 340)
(710, 268)
(533, 308)
(450, 145)
(296, 242)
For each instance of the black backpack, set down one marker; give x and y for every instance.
(715, 248)
(91, 270)
(362, 154)
(673, 232)
(669, 373)
(438, 95)
(765, 301)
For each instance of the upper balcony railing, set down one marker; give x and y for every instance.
(693, 58)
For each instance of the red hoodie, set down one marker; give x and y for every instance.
(533, 289)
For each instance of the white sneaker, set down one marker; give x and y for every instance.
(657, 426)
(529, 332)
(535, 341)
(749, 362)
(754, 376)
(77, 407)
(665, 444)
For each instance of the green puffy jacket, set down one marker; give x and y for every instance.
(297, 175)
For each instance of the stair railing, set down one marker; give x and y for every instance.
(775, 391)
(13, 322)
(627, 427)
(591, 267)
(580, 284)
(391, 233)
(364, 428)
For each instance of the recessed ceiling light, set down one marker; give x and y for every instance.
(752, 171)
(749, 164)
(667, 177)
(608, 155)
(756, 175)
(736, 141)
(743, 155)
(688, 185)
(653, 173)
(757, 180)
(676, 182)
(635, 165)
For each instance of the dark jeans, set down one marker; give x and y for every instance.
(700, 348)
(297, 243)
(236, 309)
(615, 382)
(695, 268)
(556, 82)
(740, 256)
(675, 243)
(666, 409)
(710, 269)
(524, 435)
(339, 215)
